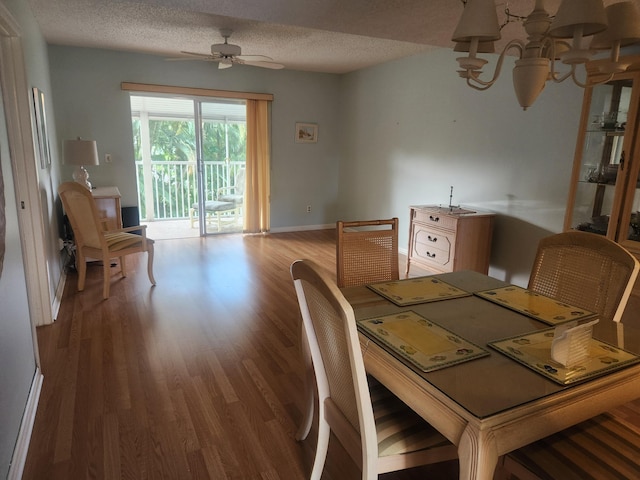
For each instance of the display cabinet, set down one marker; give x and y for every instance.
(604, 197)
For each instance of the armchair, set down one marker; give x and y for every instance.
(94, 241)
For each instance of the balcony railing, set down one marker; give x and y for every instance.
(167, 190)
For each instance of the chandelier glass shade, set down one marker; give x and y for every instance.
(551, 41)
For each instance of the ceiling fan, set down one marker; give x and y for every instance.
(228, 54)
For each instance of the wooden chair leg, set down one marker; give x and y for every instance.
(106, 266)
(123, 266)
(150, 263)
(321, 448)
(81, 266)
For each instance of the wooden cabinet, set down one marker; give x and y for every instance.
(444, 239)
(604, 195)
(108, 203)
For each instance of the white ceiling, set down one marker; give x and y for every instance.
(333, 36)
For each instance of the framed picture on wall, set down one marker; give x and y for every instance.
(306, 133)
(41, 137)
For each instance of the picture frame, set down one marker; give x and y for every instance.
(40, 126)
(306, 132)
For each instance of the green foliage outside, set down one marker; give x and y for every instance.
(175, 185)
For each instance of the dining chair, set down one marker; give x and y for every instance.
(602, 448)
(586, 270)
(589, 271)
(93, 240)
(366, 252)
(378, 431)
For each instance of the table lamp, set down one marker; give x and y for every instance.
(80, 153)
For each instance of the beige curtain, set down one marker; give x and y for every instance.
(257, 191)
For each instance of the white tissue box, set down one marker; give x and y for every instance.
(570, 345)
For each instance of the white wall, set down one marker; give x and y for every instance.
(17, 353)
(389, 137)
(17, 358)
(89, 102)
(37, 69)
(413, 129)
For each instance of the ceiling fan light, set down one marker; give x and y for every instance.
(588, 15)
(624, 26)
(224, 63)
(226, 49)
(479, 20)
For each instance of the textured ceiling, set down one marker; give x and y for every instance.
(333, 36)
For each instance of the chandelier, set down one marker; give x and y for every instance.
(551, 42)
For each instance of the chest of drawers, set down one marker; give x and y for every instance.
(443, 239)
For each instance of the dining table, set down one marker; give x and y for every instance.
(491, 404)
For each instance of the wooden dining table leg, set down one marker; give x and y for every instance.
(477, 453)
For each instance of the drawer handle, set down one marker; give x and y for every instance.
(431, 255)
(434, 219)
(432, 239)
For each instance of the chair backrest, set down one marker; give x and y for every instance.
(80, 207)
(240, 181)
(586, 270)
(367, 252)
(330, 326)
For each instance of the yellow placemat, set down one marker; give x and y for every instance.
(413, 291)
(534, 351)
(425, 344)
(540, 307)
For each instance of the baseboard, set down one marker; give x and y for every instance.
(57, 301)
(26, 427)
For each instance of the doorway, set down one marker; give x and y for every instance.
(190, 157)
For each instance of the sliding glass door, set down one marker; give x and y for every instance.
(190, 156)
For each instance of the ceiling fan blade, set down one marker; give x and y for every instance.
(255, 58)
(271, 65)
(196, 56)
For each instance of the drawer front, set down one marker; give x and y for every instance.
(435, 219)
(434, 247)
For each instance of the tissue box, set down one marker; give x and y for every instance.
(570, 345)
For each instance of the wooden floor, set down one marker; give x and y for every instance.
(197, 378)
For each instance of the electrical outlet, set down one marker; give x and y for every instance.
(308, 208)
(107, 158)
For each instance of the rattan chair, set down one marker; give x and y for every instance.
(585, 270)
(590, 271)
(367, 252)
(604, 447)
(378, 431)
(93, 241)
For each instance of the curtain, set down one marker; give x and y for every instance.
(257, 190)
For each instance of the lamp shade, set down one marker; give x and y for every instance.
(80, 152)
(479, 20)
(483, 47)
(624, 26)
(587, 15)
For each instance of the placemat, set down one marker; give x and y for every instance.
(425, 344)
(540, 307)
(534, 351)
(412, 291)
